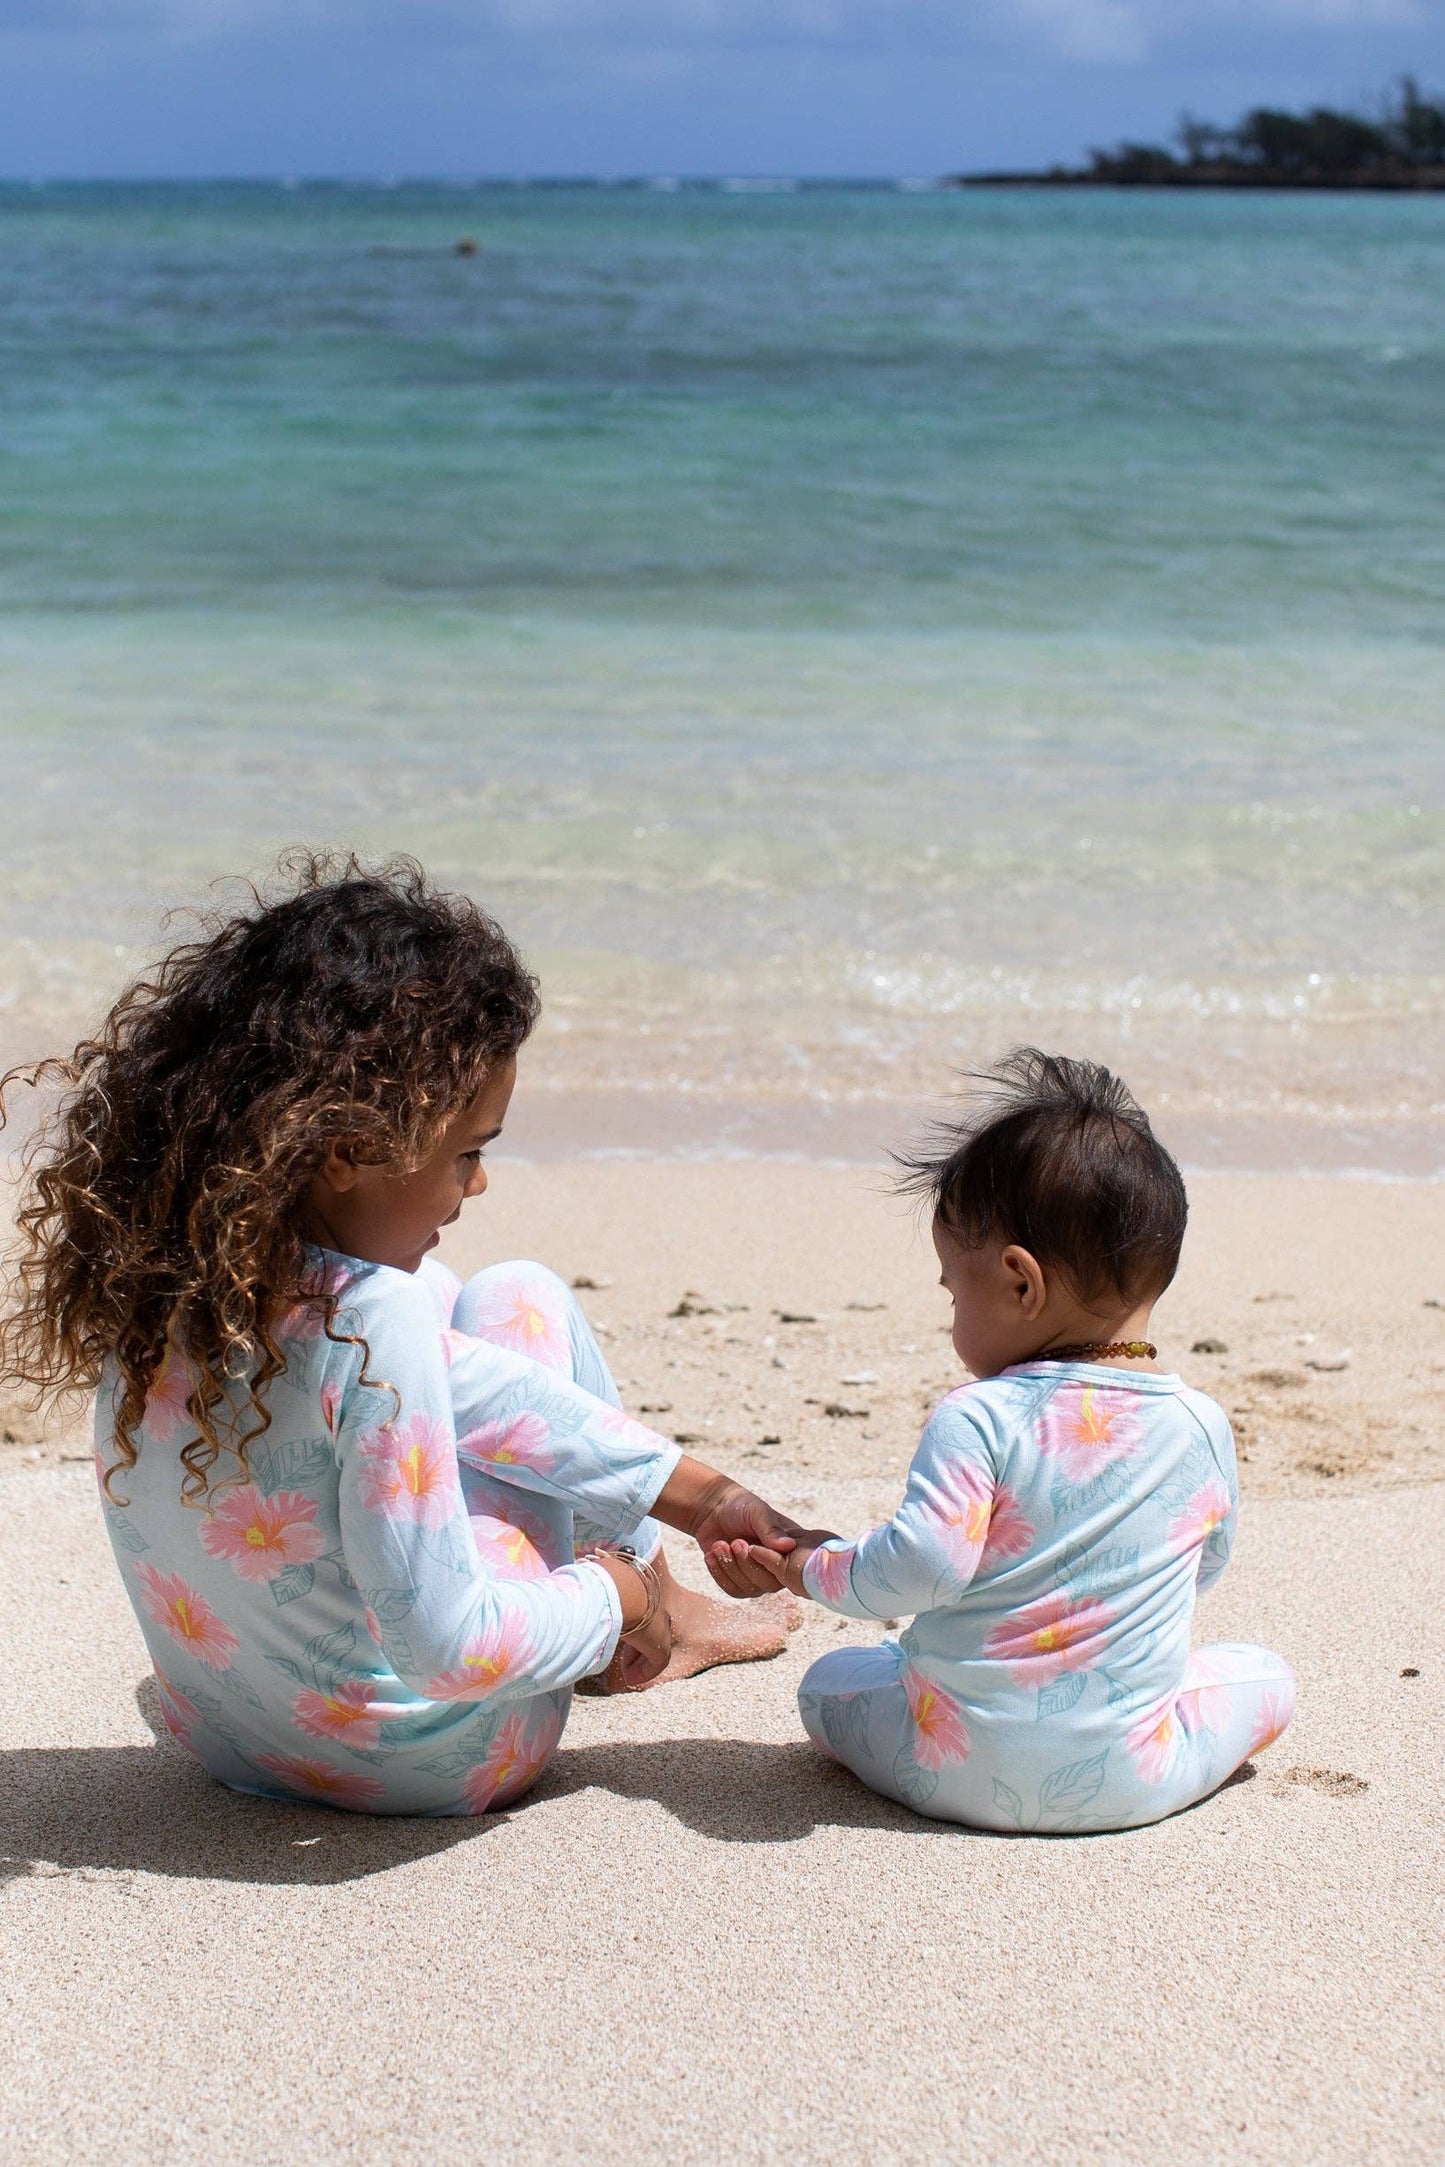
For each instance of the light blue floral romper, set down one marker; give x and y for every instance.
(387, 1615)
(1057, 1523)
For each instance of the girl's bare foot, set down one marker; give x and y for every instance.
(708, 1630)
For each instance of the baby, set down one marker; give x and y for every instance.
(1061, 1512)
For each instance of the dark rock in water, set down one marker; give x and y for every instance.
(466, 246)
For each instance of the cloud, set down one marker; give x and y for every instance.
(1106, 32)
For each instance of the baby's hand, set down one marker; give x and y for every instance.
(751, 1569)
(736, 1523)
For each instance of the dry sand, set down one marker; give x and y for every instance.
(700, 1941)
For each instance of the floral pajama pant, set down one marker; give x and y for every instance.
(529, 1310)
(858, 1706)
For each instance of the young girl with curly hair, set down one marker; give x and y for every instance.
(375, 1524)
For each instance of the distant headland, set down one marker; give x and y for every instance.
(1402, 149)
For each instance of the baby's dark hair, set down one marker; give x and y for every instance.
(350, 1004)
(1058, 1156)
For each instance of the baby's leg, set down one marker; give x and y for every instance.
(525, 1307)
(855, 1711)
(1236, 1699)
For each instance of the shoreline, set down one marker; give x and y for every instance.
(557, 1123)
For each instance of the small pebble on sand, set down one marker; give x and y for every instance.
(584, 1283)
(1209, 1346)
(1329, 1362)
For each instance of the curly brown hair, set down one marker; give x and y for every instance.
(162, 1199)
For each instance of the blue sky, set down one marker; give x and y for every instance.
(392, 87)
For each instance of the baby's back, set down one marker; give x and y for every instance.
(1110, 1499)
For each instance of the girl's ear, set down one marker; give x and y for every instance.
(339, 1169)
(1026, 1280)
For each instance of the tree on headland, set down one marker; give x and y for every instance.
(1402, 147)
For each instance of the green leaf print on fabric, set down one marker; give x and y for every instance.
(295, 1580)
(331, 1651)
(234, 1682)
(337, 1560)
(290, 1463)
(214, 1716)
(446, 1546)
(456, 1762)
(123, 1532)
(390, 1606)
(1070, 1789)
(290, 1669)
(1008, 1801)
(917, 1784)
(1058, 1697)
(845, 1723)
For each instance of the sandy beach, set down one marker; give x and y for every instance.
(698, 1939)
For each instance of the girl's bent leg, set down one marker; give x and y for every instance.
(526, 1307)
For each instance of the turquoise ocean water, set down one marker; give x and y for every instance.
(840, 631)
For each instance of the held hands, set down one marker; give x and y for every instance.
(756, 1569)
(744, 1541)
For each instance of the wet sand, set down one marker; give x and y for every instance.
(698, 1939)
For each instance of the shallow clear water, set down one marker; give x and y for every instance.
(841, 632)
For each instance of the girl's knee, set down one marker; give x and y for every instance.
(520, 1305)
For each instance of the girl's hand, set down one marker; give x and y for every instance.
(645, 1643)
(714, 1509)
(754, 1569)
(642, 1656)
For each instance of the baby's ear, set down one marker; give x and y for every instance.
(1027, 1278)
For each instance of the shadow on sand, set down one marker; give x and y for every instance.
(152, 1809)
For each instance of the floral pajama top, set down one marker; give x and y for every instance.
(386, 1616)
(1058, 1522)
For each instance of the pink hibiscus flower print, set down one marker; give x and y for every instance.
(443, 1285)
(525, 1315)
(409, 1472)
(186, 1615)
(1010, 1531)
(519, 1441)
(506, 1549)
(487, 1662)
(515, 1759)
(1043, 1640)
(1271, 1721)
(350, 1713)
(178, 1712)
(960, 1512)
(1204, 1699)
(1205, 1511)
(1154, 1742)
(1087, 1427)
(940, 1734)
(318, 1780)
(260, 1536)
(627, 1430)
(830, 1572)
(166, 1417)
